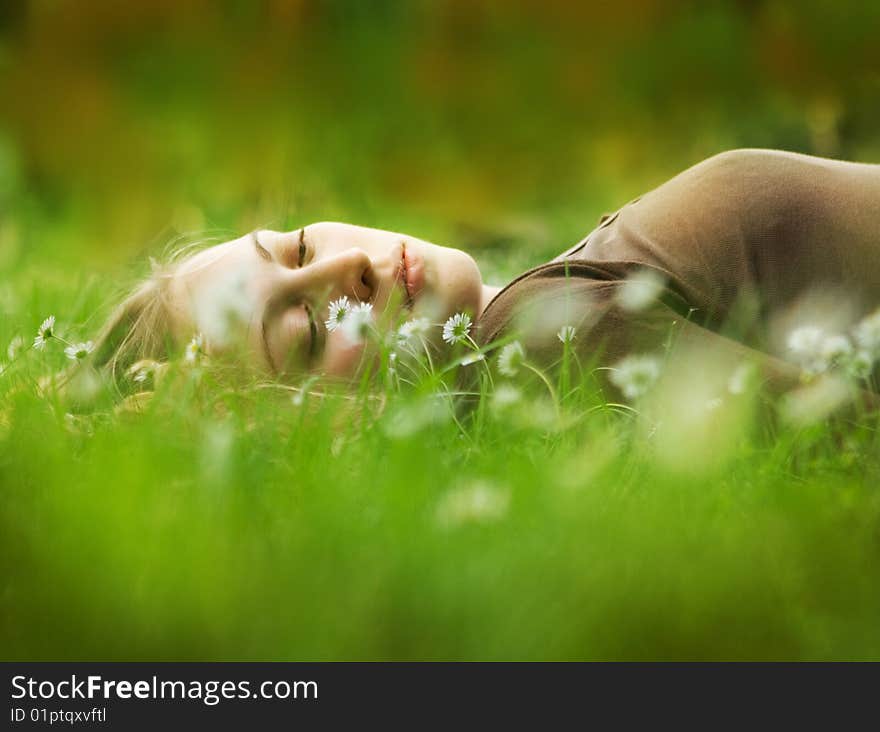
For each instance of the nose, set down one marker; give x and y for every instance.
(349, 272)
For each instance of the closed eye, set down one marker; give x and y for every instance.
(294, 346)
(273, 314)
(303, 249)
(313, 333)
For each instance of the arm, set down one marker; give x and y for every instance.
(606, 333)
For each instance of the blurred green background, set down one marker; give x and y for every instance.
(491, 125)
(227, 526)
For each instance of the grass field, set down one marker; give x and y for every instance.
(248, 524)
(233, 524)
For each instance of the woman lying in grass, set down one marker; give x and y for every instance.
(752, 256)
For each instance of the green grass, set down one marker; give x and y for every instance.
(222, 524)
(235, 524)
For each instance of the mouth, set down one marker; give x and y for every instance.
(410, 273)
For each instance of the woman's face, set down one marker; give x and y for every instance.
(268, 293)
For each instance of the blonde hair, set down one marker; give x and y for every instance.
(139, 328)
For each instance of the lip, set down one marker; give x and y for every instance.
(410, 273)
(414, 272)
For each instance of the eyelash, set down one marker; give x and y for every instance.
(303, 247)
(313, 331)
(313, 327)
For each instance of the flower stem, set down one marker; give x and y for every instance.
(546, 381)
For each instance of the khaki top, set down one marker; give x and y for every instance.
(749, 243)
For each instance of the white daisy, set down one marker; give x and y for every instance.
(867, 333)
(805, 344)
(473, 357)
(566, 333)
(413, 328)
(195, 349)
(712, 404)
(511, 358)
(456, 328)
(478, 503)
(860, 365)
(338, 312)
(816, 401)
(78, 351)
(14, 348)
(806, 340)
(742, 379)
(635, 375)
(410, 417)
(505, 395)
(45, 333)
(219, 311)
(640, 289)
(143, 370)
(356, 325)
(835, 350)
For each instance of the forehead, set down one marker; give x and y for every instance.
(336, 233)
(208, 257)
(211, 289)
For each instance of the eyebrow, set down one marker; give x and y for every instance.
(261, 250)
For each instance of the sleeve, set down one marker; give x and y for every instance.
(606, 333)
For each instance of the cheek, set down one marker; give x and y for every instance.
(341, 358)
(459, 282)
(292, 333)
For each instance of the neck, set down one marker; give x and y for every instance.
(489, 291)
